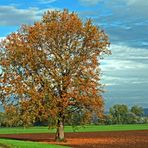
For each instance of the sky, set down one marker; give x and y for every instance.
(125, 72)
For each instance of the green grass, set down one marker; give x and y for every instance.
(87, 128)
(95, 128)
(7, 143)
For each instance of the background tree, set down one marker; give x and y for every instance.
(52, 69)
(132, 118)
(2, 118)
(109, 119)
(11, 117)
(137, 110)
(119, 113)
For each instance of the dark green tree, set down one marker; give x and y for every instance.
(119, 113)
(137, 110)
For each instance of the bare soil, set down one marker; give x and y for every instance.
(118, 139)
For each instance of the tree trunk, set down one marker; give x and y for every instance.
(60, 131)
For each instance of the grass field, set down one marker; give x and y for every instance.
(6, 143)
(87, 128)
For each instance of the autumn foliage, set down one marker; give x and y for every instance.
(51, 69)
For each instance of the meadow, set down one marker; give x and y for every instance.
(86, 128)
(9, 143)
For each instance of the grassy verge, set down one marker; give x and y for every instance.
(87, 128)
(4, 146)
(7, 143)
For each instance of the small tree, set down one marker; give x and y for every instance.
(52, 69)
(132, 118)
(119, 113)
(137, 110)
(109, 119)
(2, 118)
(11, 117)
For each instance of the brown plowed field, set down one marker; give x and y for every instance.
(119, 139)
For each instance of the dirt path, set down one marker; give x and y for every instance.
(122, 139)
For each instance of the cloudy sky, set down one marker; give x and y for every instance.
(125, 72)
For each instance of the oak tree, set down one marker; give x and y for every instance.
(51, 69)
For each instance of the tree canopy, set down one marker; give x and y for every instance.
(121, 114)
(137, 110)
(51, 69)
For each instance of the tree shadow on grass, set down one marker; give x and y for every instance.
(4, 146)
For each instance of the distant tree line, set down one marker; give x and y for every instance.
(121, 114)
(118, 114)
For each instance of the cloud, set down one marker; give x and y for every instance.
(12, 16)
(125, 75)
(1, 38)
(89, 2)
(132, 7)
(133, 3)
(125, 61)
(139, 3)
(46, 1)
(138, 7)
(128, 26)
